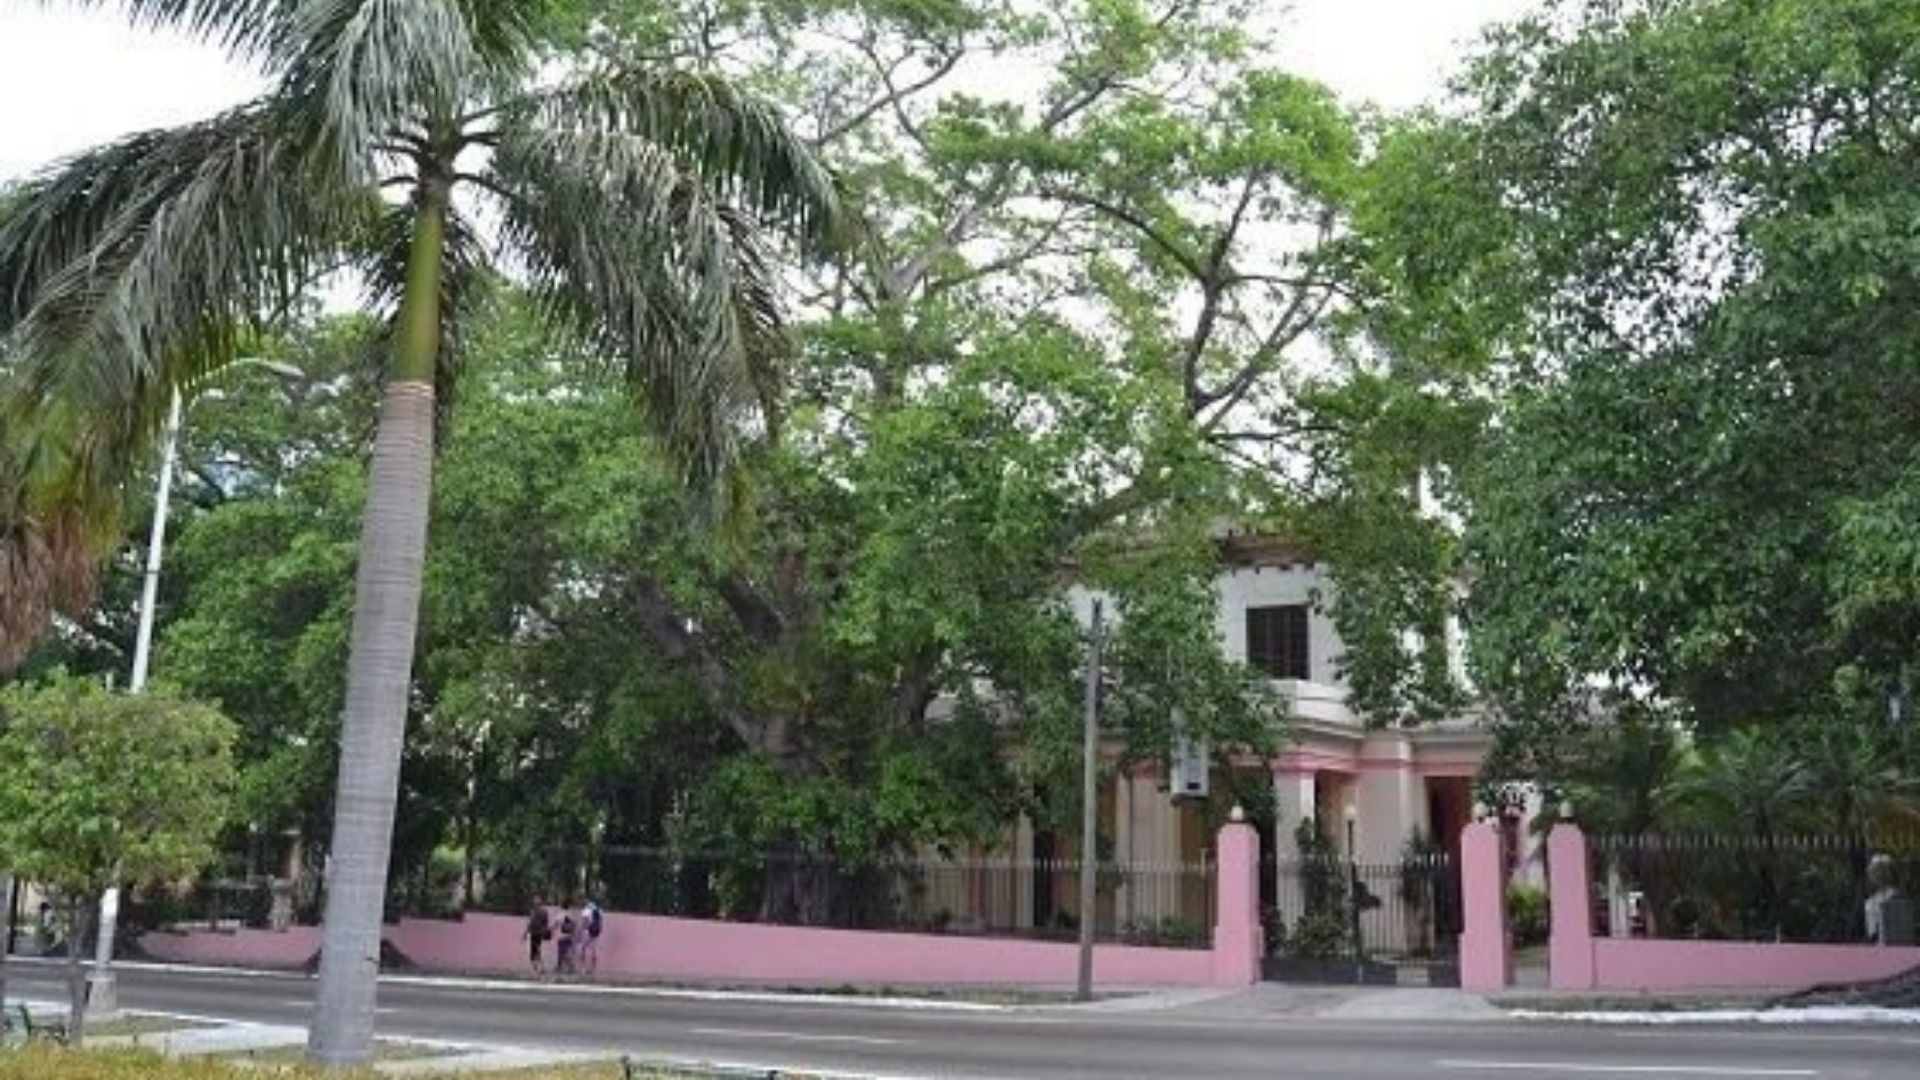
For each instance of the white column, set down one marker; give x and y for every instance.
(1293, 790)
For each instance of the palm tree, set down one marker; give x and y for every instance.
(1748, 782)
(426, 144)
(51, 523)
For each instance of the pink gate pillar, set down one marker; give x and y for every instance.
(1570, 949)
(1486, 953)
(1237, 941)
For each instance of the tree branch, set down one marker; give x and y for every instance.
(1133, 220)
(673, 635)
(894, 99)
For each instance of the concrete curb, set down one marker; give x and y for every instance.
(1817, 1015)
(762, 997)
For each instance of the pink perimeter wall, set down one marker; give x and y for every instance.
(1577, 960)
(649, 947)
(643, 946)
(1640, 964)
(289, 948)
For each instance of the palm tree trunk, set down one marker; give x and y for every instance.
(393, 544)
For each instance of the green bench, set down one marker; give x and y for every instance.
(18, 1021)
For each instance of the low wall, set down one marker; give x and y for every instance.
(642, 946)
(651, 947)
(1577, 960)
(647, 947)
(274, 949)
(1642, 964)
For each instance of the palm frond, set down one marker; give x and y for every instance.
(382, 69)
(134, 266)
(248, 28)
(638, 257)
(55, 521)
(738, 145)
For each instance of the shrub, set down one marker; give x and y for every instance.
(1527, 914)
(1321, 935)
(1172, 931)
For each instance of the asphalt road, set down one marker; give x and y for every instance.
(1194, 1040)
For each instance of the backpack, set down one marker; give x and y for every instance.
(593, 920)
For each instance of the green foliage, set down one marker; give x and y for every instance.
(1638, 315)
(1528, 917)
(1067, 345)
(1324, 929)
(1172, 931)
(99, 788)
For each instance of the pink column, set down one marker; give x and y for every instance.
(1236, 930)
(1486, 951)
(1570, 946)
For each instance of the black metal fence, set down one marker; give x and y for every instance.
(1747, 888)
(1328, 908)
(1169, 904)
(1145, 903)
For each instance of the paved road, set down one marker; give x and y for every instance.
(1210, 1039)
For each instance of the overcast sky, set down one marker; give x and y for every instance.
(70, 79)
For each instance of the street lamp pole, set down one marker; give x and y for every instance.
(156, 540)
(102, 994)
(1353, 894)
(1090, 810)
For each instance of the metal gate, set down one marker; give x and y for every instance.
(1337, 921)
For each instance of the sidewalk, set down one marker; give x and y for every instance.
(1298, 1001)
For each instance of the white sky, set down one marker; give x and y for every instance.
(70, 79)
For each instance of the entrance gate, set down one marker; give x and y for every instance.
(1337, 921)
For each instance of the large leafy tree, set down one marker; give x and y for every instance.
(1082, 306)
(1666, 244)
(629, 197)
(996, 385)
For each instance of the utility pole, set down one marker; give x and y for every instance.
(1090, 810)
(102, 994)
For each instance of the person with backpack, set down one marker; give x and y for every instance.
(539, 929)
(569, 938)
(592, 922)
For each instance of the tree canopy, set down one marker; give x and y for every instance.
(100, 789)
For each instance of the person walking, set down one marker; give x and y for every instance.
(592, 922)
(539, 929)
(569, 931)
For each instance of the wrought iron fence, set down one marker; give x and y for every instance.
(1169, 904)
(1330, 908)
(218, 904)
(1747, 888)
(1144, 903)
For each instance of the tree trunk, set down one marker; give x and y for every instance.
(393, 543)
(77, 912)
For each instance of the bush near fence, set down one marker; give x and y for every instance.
(1746, 888)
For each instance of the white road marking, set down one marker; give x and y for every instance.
(1655, 1070)
(794, 1036)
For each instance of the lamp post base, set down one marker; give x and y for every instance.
(103, 996)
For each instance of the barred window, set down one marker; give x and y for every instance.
(1277, 640)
